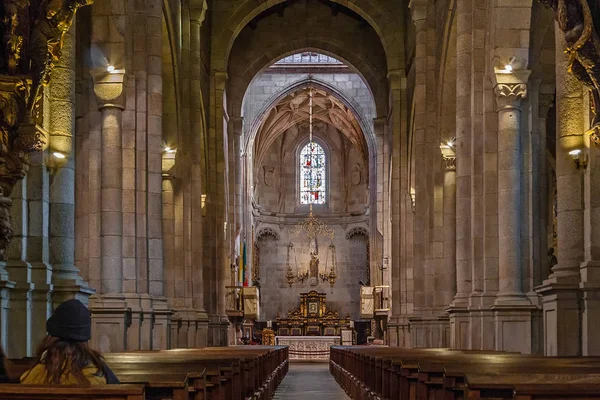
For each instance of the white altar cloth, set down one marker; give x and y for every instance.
(317, 345)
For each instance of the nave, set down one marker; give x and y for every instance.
(308, 381)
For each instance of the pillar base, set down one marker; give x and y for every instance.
(189, 329)
(460, 336)
(515, 326)
(111, 318)
(398, 331)
(560, 307)
(64, 290)
(430, 331)
(482, 324)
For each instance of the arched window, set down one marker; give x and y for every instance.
(312, 174)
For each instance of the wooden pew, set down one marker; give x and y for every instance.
(397, 373)
(35, 392)
(229, 372)
(223, 373)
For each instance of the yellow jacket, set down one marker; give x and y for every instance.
(37, 376)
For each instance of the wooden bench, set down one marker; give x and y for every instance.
(35, 392)
(235, 372)
(398, 373)
(223, 373)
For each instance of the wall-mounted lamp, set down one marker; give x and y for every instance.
(55, 160)
(580, 161)
(110, 68)
(170, 150)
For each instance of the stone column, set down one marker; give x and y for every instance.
(398, 328)
(459, 321)
(561, 306)
(65, 277)
(217, 197)
(509, 93)
(199, 133)
(109, 309)
(421, 227)
(511, 305)
(449, 277)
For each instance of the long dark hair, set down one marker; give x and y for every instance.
(63, 357)
(5, 370)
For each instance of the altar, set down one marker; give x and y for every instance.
(308, 348)
(312, 318)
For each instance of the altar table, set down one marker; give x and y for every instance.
(308, 347)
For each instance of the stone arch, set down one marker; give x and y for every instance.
(384, 17)
(267, 232)
(367, 128)
(357, 231)
(254, 50)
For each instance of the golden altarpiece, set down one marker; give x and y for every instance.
(312, 318)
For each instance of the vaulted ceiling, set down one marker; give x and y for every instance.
(294, 109)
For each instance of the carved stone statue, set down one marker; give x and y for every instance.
(314, 266)
(579, 20)
(552, 261)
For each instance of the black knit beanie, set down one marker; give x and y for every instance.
(70, 321)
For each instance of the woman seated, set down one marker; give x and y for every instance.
(64, 357)
(4, 368)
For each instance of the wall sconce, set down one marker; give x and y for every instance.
(170, 150)
(110, 68)
(579, 159)
(55, 160)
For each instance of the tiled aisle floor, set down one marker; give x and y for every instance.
(311, 381)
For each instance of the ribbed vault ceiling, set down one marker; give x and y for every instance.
(294, 109)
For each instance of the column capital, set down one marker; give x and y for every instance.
(418, 10)
(449, 157)
(397, 79)
(220, 78)
(109, 88)
(198, 11)
(511, 87)
(509, 95)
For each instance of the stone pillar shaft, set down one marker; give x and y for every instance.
(421, 225)
(199, 133)
(111, 216)
(449, 230)
(463, 151)
(509, 188)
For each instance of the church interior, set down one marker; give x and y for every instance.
(335, 179)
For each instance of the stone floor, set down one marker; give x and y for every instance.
(309, 381)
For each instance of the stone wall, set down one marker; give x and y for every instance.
(277, 196)
(278, 298)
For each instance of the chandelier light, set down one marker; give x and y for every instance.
(311, 226)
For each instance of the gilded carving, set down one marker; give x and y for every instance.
(579, 20)
(32, 38)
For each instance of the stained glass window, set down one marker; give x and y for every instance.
(312, 174)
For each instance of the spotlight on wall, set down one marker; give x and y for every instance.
(508, 68)
(579, 159)
(110, 68)
(59, 155)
